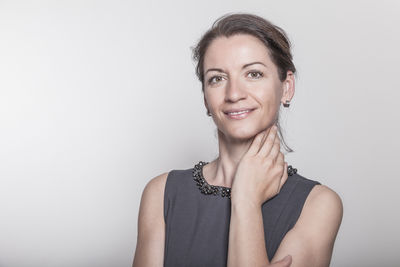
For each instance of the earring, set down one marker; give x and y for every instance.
(208, 113)
(286, 104)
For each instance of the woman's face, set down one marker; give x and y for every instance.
(242, 89)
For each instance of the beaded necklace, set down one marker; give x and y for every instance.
(208, 189)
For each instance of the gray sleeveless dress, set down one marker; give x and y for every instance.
(197, 225)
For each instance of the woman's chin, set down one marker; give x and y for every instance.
(239, 137)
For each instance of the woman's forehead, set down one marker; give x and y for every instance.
(235, 51)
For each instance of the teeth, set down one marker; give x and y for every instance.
(240, 112)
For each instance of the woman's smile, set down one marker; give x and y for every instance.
(238, 114)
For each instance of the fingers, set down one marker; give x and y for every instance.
(269, 142)
(284, 177)
(257, 142)
(285, 262)
(275, 150)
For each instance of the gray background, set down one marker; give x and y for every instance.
(98, 97)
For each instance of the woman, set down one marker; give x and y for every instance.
(247, 207)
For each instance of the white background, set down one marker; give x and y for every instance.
(98, 97)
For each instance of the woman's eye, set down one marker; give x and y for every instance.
(255, 74)
(215, 79)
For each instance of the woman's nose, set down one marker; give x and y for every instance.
(234, 91)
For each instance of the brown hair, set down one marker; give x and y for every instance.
(273, 37)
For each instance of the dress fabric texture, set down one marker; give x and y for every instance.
(197, 225)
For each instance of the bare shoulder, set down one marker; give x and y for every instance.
(153, 197)
(322, 210)
(324, 199)
(151, 224)
(156, 184)
(311, 240)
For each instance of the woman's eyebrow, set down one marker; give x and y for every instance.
(252, 63)
(214, 69)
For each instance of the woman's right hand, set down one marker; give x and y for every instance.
(262, 170)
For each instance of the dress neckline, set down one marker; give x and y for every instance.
(204, 186)
(208, 189)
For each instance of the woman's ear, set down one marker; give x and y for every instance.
(206, 105)
(288, 87)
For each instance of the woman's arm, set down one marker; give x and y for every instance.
(259, 176)
(151, 225)
(311, 240)
(246, 238)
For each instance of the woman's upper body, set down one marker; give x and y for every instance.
(309, 242)
(244, 64)
(197, 217)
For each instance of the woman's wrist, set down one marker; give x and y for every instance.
(243, 201)
(246, 238)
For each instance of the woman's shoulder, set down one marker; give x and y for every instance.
(322, 195)
(151, 224)
(321, 215)
(322, 202)
(319, 193)
(156, 184)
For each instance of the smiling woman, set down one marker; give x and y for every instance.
(246, 81)
(247, 207)
(273, 40)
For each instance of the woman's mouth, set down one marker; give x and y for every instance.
(238, 114)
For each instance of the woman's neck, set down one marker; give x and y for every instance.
(221, 171)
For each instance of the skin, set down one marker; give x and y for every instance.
(238, 87)
(250, 162)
